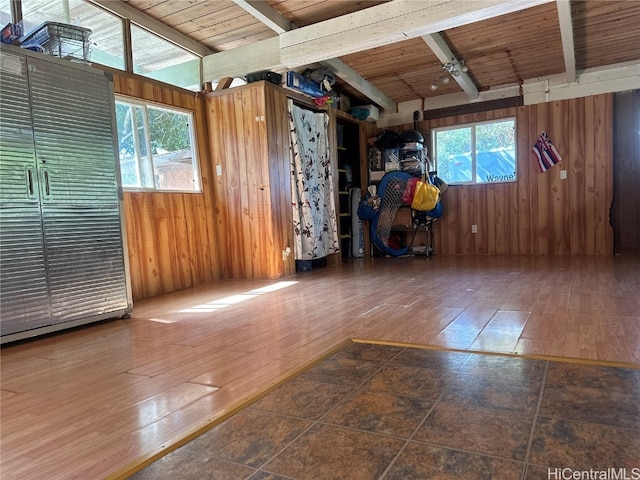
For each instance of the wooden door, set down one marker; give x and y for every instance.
(625, 211)
(249, 150)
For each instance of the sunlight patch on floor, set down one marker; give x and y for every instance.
(234, 299)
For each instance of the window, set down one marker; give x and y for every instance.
(478, 153)
(156, 147)
(154, 57)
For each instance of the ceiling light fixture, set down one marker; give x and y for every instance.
(449, 69)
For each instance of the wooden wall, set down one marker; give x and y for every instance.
(248, 135)
(625, 212)
(171, 237)
(540, 214)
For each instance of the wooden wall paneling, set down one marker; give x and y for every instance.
(525, 171)
(258, 182)
(590, 176)
(127, 85)
(465, 219)
(164, 232)
(501, 218)
(238, 234)
(250, 163)
(513, 216)
(199, 247)
(204, 247)
(151, 91)
(142, 241)
(575, 164)
(219, 182)
(482, 198)
(560, 222)
(181, 238)
(604, 173)
(135, 268)
(543, 206)
(280, 183)
(534, 174)
(148, 249)
(270, 173)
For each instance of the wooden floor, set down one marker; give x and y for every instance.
(96, 401)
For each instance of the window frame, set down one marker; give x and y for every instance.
(144, 105)
(473, 126)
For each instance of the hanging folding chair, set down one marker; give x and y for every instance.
(390, 190)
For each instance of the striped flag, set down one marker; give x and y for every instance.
(547, 154)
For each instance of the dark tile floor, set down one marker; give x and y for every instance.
(385, 412)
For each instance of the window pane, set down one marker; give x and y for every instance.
(129, 171)
(173, 161)
(496, 152)
(106, 38)
(5, 13)
(453, 155)
(156, 58)
(135, 165)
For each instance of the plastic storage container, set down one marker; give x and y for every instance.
(61, 40)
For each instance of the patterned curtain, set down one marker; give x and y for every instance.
(314, 212)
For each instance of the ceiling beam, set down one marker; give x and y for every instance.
(387, 23)
(279, 24)
(123, 10)
(437, 44)
(566, 34)
(237, 62)
(353, 78)
(266, 14)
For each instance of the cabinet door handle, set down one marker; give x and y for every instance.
(47, 186)
(31, 191)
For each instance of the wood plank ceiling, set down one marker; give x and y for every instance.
(504, 50)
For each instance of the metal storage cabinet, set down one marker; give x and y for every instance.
(62, 254)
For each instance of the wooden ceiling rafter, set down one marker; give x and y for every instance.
(279, 24)
(437, 44)
(566, 33)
